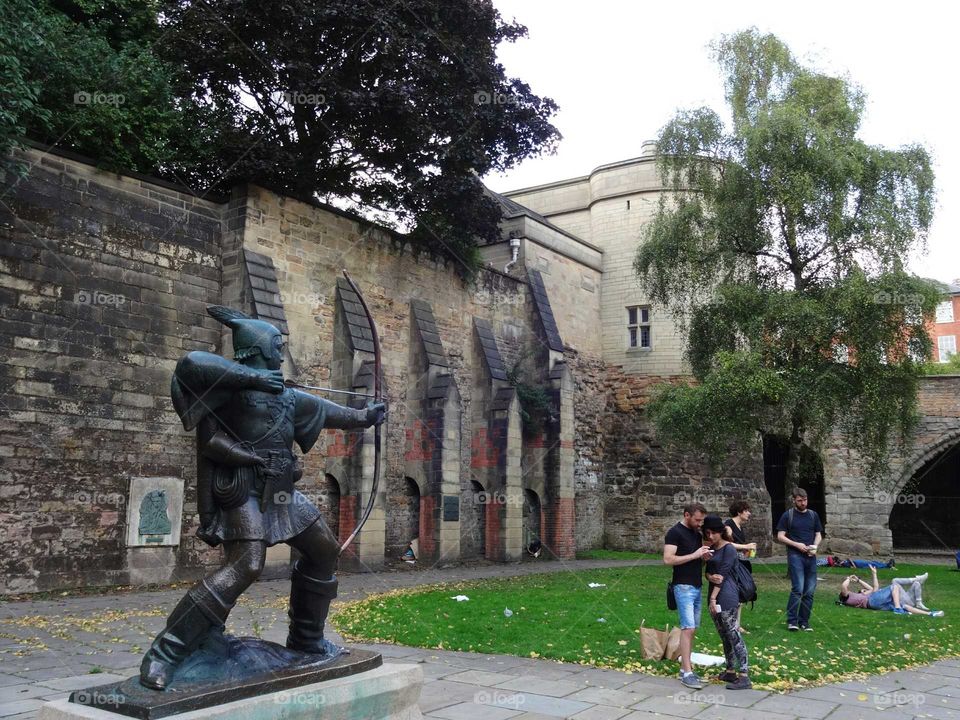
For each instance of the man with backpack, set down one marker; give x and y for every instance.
(800, 530)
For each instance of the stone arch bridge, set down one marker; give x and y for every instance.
(919, 509)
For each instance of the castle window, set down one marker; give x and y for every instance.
(945, 312)
(947, 346)
(638, 327)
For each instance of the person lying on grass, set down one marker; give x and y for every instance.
(902, 596)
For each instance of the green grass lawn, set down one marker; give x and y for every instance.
(616, 555)
(557, 616)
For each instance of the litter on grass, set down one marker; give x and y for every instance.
(459, 598)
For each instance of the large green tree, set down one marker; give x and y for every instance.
(781, 253)
(83, 75)
(394, 109)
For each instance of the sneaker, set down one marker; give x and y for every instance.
(793, 628)
(727, 676)
(806, 628)
(922, 606)
(936, 613)
(900, 611)
(691, 680)
(741, 683)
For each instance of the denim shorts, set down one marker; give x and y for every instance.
(881, 599)
(689, 600)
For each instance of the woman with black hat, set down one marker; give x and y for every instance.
(724, 601)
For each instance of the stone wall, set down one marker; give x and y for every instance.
(648, 484)
(859, 515)
(104, 280)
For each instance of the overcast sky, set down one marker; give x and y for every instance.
(619, 69)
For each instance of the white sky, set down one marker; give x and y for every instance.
(619, 69)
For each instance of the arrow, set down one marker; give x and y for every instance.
(294, 384)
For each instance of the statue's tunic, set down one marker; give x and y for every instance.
(248, 502)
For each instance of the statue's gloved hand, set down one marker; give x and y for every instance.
(376, 413)
(206, 530)
(269, 381)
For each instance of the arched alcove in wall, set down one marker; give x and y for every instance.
(925, 510)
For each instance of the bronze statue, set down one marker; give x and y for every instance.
(247, 421)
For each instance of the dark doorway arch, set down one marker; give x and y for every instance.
(925, 511)
(532, 518)
(329, 504)
(408, 512)
(776, 454)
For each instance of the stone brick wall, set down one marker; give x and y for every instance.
(648, 484)
(860, 515)
(103, 284)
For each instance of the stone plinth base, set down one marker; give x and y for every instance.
(390, 692)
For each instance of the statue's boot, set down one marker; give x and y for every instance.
(310, 600)
(192, 619)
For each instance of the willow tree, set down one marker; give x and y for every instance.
(780, 252)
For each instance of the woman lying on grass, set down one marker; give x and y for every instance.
(902, 596)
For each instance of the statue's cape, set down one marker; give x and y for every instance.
(199, 387)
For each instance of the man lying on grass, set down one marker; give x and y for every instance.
(902, 596)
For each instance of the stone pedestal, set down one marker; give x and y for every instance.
(389, 692)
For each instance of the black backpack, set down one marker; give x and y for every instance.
(746, 586)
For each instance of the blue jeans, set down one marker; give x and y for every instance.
(689, 599)
(803, 583)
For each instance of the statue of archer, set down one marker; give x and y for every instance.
(247, 421)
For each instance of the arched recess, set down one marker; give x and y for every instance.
(927, 502)
(532, 518)
(407, 511)
(329, 503)
(776, 454)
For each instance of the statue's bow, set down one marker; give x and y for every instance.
(377, 397)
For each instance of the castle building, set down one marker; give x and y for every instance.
(516, 400)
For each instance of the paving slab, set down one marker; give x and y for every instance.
(863, 711)
(531, 684)
(675, 706)
(19, 706)
(601, 712)
(78, 682)
(607, 696)
(472, 711)
(479, 677)
(796, 706)
(12, 693)
(535, 702)
(728, 712)
(440, 693)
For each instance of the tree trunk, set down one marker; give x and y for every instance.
(792, 477)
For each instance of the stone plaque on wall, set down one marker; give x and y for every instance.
(154, 511)
(451, 508)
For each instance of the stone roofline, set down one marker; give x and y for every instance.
(649, 155)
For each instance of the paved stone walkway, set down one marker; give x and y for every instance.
(50, 647)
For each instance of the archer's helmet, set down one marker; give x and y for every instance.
(250, 336)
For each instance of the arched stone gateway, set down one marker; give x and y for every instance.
(861, 516)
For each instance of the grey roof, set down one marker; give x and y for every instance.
(491, 353)
(427, 330)
(542, 303)
(510, 209)
(359, 334)
(265, 291)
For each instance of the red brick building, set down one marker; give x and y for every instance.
(945, 329)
